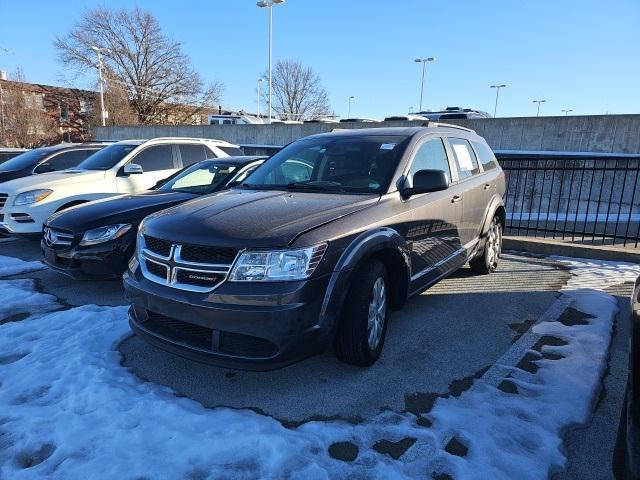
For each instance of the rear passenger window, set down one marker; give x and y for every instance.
(431, 155)
(191, 154)
(485, 155)
(209, 153)
(465, 158)
(152, 159)
(232, 151)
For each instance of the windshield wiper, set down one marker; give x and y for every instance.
(327, 186)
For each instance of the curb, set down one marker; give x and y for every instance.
(545, 246)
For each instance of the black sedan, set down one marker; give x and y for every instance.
(97, 239)
(626, 461)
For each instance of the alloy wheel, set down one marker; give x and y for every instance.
(377, 313)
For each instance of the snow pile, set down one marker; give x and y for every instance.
(69, 410)
(19, 297)
(15, 266)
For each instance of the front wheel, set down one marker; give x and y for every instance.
(363, 325)
(487, 262)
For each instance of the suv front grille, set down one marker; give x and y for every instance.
(158, 246)
(198, 268)
(3, 199)
(204, 254)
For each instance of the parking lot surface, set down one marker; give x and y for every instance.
(437, 347)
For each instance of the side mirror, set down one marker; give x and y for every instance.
(132, 169)
(44, 168)
(425, 181)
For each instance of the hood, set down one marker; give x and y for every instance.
(121, 209)
(49, 180)
(250, 218)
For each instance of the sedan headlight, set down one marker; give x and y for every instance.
(32, 196)
(104, 234)
(277, 265)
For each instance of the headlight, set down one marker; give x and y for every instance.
(104, 234)
(32, 197)
(277, 265)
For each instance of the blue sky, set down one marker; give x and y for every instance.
(580, 55)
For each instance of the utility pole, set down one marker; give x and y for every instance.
(539, 102)
(424, 66)
(269, 4)
(99, 51)
(350, 98)
(495, 107)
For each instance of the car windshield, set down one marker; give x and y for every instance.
(24, 160)
(333, 163)
(201, 178)
(107, 157)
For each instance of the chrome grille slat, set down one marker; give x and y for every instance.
(3, 199)
(53, 236)
(206, 276)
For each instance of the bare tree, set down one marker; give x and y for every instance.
(297, 92)
(25, 121)
(151, 68)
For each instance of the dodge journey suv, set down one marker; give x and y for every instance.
(317, 246)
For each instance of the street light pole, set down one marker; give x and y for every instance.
(350, 98)
(424, 66)
(269, 4)
(566, 112)
(260, 80)
(495, 107)
(99, 52)
(539, 102)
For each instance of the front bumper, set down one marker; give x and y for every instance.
(25, 219)
(102, 261)
(238, 325)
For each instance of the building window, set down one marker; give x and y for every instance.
(64, 112)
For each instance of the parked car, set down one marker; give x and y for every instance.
(317, 246)
(7, 153)
(626, 461)
(97, 239)
(47, 159)
(451, 113)
(359, 119)
(405, 118)
(124, 167)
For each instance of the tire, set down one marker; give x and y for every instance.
(356, 342)
(487, 262)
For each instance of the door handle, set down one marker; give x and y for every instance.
(456, 198)
(487, 186)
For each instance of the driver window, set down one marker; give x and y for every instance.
(431, 155)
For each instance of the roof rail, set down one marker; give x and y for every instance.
(446, 125)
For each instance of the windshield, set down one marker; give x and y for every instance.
(201, 178)
(336, 163)
(107, 157)
(24, 160)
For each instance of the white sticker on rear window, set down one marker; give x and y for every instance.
(388, 146)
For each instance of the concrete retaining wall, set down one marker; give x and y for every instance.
(591, 133)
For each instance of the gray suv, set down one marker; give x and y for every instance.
(317, 246)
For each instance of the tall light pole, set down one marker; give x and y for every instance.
(99, 51)
(566, 112)
(260, 80)
(495, 107)
(424, 66)
(350, 99)
(539, 102)
(269, 4)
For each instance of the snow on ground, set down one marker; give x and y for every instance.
(14, 266)
(68, 409)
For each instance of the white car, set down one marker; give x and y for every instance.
(124, 167)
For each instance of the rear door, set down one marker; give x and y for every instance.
(471, 184)
(433, 232)
(191, 153)
(157, 162)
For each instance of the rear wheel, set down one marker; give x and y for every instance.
(487, 262)
(363, 325)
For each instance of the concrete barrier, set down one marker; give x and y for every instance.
(589, 133)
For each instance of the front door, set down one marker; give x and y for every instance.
(157, 162)
(433, 233)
